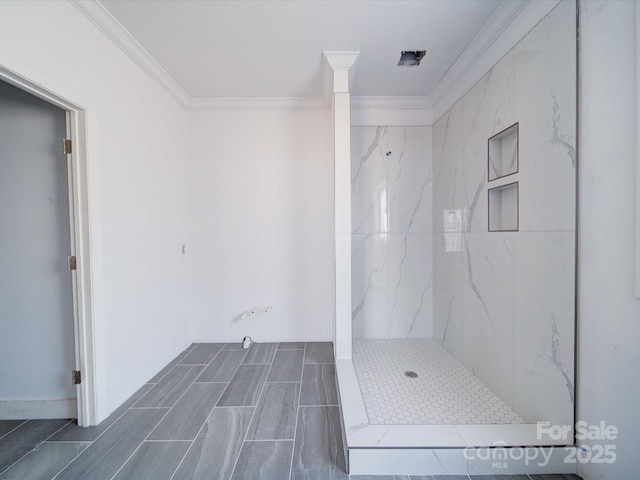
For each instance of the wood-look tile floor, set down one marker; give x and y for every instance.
(215, 412)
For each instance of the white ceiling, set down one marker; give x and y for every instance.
(269, 48)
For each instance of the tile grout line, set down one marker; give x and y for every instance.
(101, 434)
(196, 436)
(158, 423)
(14, 428)
(295, 430)
(34, 447)
(178, 359)
(211, 412)
(253, 415)
(230, 379)
(186, 452)
(138, 447)
(169, 410)
(70, 462)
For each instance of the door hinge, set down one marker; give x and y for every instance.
(66, 145)
(77, 378)
(72, 263)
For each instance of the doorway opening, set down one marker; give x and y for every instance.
(72, 124)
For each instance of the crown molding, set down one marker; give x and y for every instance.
(391, 111)
(120, 36)
(366, 110)
(391, 103)
(508, 25)
(256, 103)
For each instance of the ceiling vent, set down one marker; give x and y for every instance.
(411, 58)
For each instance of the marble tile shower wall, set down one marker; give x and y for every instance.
(504, 301)
(391, 192)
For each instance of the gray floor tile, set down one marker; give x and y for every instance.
(21, 440)
(558, 476)
(202, 354)
(223, 366)
(382, 477)
(158, 376)
(439, 477)
(184, 420)
(215, 450)
(106, 455)
(167, 392)
(245, 386)
(318, 452)
(154, 461)
(291, 346)
(286, 366)
(45, 461)
(264, 461)
(319, 385)
(7, 425)
(499, 477)
(260, 353)
(73, 433)
(275, 417)
(318, 352)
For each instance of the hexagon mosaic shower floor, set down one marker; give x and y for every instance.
(444, 392)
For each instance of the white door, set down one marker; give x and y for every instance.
(37, 344)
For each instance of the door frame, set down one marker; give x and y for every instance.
(79, 215)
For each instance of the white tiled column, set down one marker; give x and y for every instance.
(339, 65)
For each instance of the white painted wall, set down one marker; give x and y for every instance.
(608, 311)
(136, 151)
(261, 214)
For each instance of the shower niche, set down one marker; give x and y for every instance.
(503, 208)
(502, 158)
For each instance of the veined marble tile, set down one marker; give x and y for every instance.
(488, 310)
(447, 158)
(369, 285)
(410, 286)
(487, 109)
(409, 179)
(544, 327)
(447, 297)
(369, 188)
(545, 82)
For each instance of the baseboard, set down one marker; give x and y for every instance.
(38, 409)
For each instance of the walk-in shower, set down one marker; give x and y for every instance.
(462, 271)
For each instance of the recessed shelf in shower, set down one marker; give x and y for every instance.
(502, 157)
(503, 208)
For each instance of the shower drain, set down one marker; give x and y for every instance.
(410, 374)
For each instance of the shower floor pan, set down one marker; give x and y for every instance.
(417, 382)
(410, 408)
